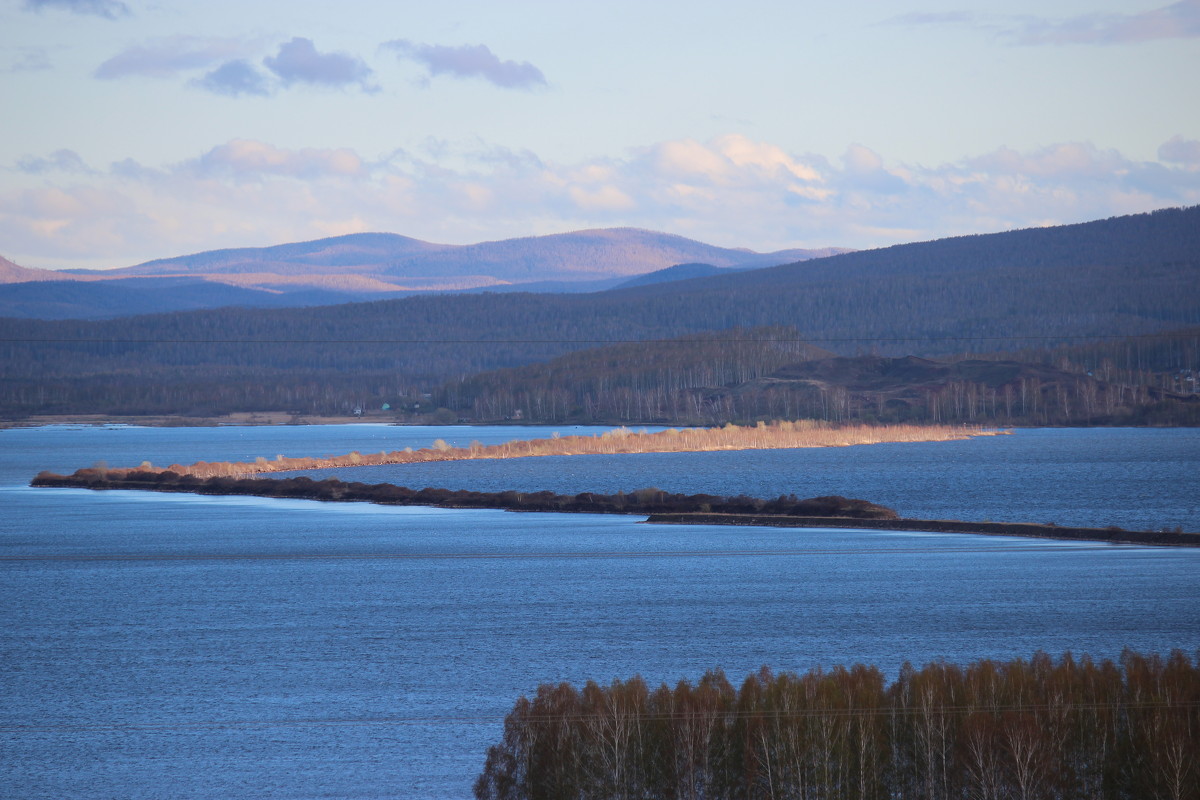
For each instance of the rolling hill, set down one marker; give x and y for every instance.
(13, 273)
(1036, 288)
(361, 267)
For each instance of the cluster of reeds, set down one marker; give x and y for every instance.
(763, 436)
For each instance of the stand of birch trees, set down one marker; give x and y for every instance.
(1041, 729)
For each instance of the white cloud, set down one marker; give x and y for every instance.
(58, 161)
(469, 61)
(766, 159)
(1065, 161)
(603, 198)
(168, 56)
(299, 61)
(248, 159)
(731, 190)
(687, 158)
(228, 71)
(1180, 151)
(235, 78)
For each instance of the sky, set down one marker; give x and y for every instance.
(141, 129)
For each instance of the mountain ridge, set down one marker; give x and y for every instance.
(1041, 288)
(364, 266)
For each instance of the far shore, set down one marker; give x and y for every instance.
(279, 418)
(241, 418)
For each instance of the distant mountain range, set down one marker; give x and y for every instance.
(365, 266)
(1039, 288)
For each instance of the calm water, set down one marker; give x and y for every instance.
(195, 647)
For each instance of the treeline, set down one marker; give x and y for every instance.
(643, 501)
(632, 381)
(1168, 362)
(1125, 276)
(744, 376)
(1033, 730)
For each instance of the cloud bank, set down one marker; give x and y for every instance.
(469, 61)
(731, 190)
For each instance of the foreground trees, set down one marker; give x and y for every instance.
(1071, 728)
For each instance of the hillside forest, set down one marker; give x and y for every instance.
(1084, 324)
(1033, 729)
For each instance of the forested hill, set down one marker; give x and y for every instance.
(1168, 237)
(767, 374)
(1003, 291)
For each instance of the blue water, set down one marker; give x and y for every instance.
(207, 647)
(1139, 479)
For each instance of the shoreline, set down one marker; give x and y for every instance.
(659, 507)
(247, 419)
(285, 419)
(1028, 530)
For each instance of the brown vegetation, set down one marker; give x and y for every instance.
(770, 373)
(643, 501)
(1038, 729)
(774, 436)
(787, 511)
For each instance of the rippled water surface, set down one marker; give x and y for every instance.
(204, 647)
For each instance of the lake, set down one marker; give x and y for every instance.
(211, 647)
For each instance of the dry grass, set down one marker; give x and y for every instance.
(773, 436)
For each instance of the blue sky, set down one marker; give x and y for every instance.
(140, 129)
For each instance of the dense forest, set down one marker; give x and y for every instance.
(1049, 287)
(768, 373)
(1033, 730)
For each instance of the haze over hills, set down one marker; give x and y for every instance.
(14, 273)
(580, 255)
(367, 266)
(1035, 288)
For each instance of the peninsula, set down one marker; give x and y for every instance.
(659, 506)
(763, 436)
